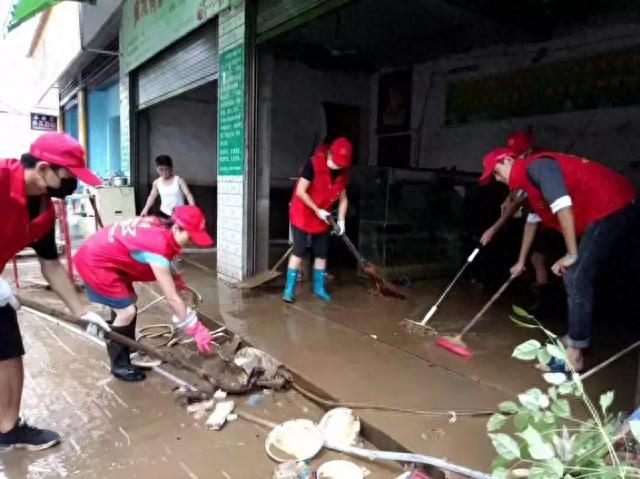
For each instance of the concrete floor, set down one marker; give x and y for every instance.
(112, 429)
(356, 349)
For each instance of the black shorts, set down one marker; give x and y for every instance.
(10, 338)
(319, 243)
(548, 241)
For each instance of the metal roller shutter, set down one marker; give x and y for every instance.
(187, 65)
(277, 16)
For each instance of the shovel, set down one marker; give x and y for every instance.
(265, 276)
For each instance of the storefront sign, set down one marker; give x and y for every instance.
(41, 122)
(607, 80)
(149, 26)
(231, 112)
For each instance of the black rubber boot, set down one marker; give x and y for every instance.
(119, 354)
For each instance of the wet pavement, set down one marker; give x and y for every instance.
(112, 429)
(355, 349)
(358, 349)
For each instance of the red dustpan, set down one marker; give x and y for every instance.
(455, 344)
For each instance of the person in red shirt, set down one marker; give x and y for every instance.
(323, 181)
(547, 241)
(591, 205)
(141, 249)
(51, 169)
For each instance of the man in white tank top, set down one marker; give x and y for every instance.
(172, 189)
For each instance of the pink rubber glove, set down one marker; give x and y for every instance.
(201, 335)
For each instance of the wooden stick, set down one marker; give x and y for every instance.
(119, 338)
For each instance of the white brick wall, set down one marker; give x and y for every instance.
(230, 230)
(231, 223)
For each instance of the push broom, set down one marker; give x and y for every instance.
(423, 324)
(455, 344)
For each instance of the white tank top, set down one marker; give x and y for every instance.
(170, 195)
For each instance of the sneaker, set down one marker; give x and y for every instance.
(28, 437)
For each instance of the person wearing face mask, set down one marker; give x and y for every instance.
(141, 249)
(593, 207)
(51, 169)
(323, 181)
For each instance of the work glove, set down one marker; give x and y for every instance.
(194, 328)
(201, 335)
(7, 296)
(97, 326)
(339, 228)
(323, 215)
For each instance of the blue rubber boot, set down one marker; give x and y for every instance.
(318, 285)
(289, 294)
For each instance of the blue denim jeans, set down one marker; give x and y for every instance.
(596, 245)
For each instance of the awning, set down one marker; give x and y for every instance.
(23, 10)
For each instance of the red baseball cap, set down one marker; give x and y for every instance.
(191, 219)
(491, 159)
(63, 150)
(519, 142)
(341, 151)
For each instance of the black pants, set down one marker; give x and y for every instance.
(10, 338)
(302, 240)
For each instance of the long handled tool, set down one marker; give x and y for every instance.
(264, 276)
(445, 293)
(455, 344)
(379, 284)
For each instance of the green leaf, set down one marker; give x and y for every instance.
(521, 312)
(538, 472)
(496, 422)
(606, 400)
(522, 420)
(500, 473)
(505, 446)
(635, 429)
(554, 465)
(522, 323)
(566, 388)
(543, 356)
(555, 378)
(561, 408)
(555, 351)
(508, 407)
(527, 350)
(553, 393)
(534, 399)
(538, 448)
(548, 417)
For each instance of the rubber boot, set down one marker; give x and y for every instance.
(119, 355)
(289, 294)
(318, 285)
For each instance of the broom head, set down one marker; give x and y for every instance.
(454, 344)
(379, 284)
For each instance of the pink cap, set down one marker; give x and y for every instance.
(191, 219)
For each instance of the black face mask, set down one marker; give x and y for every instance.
(67, 187)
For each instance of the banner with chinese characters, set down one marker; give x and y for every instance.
(607, 80)
(149, 26)
(231, 112)
(40, 122)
